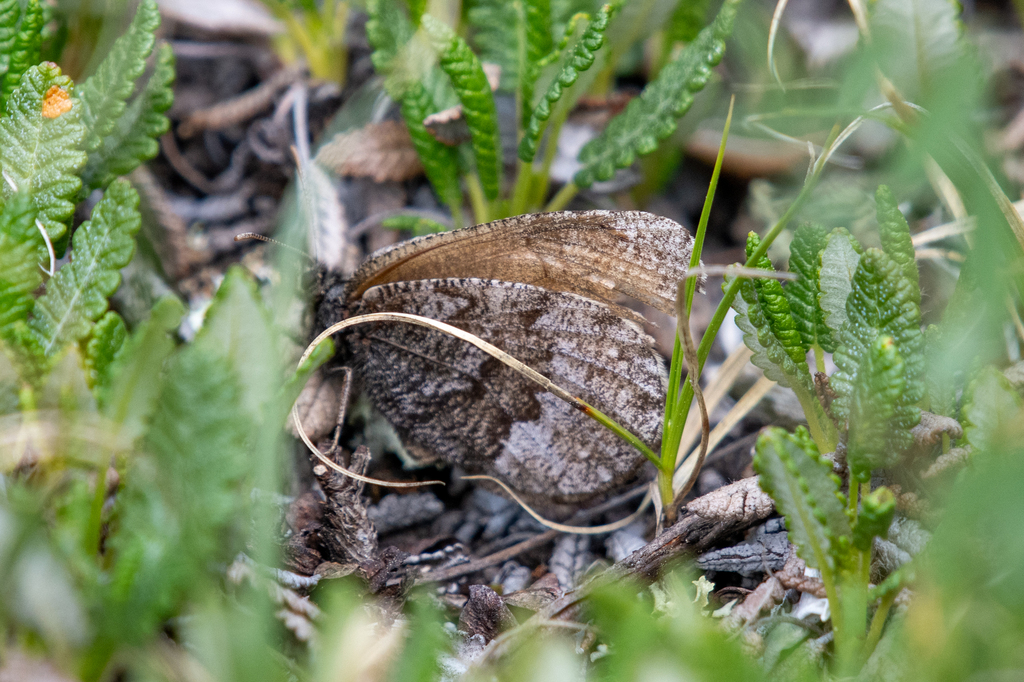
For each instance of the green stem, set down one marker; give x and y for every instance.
(554, 129)
(523, 188)
(819, 358)
(564, 196)
(91, 537)
(670, 443)
(477, 199)
(877, 623)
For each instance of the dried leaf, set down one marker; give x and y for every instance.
(382, 151)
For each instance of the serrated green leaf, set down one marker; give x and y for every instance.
(881, 304)
(895, 236)
(180, 500)
(136, 374)
(579, 60)
(769, 353)
(104, 95)
(104, 344)
(10, 383)
(20, 253)
(839, 261)
(42, 155)
(497, 27)
(805, 251)
(78, 294)
(992, 411)
(239, 328)
(805, 492)
(877, 388)
(874, 518)
(10, 13)
(474, 92)
(389, 32)
(652, 116)
(25, 351)
(775, 307)
(25, 49)
(133, 139)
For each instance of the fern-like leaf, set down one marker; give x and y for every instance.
(895, 235)
(104, 345)
(104, 95)
(881, 303)
(133, 140)
(775, 306)
(498, 27)
(40, 154)
(388, 31)
(20, 251)
(10, 13)
(474, 92)
(839, 261)
(809, 241)
(652, 116)
(769, 353)
(687, 20)
(876, 393)
(25, 49)
(581, 59)
(78, 294)
(806, 492)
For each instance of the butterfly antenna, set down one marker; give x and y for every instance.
(254, 235)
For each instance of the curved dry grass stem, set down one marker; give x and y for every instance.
(693, 375)
(773, 32)
(553, 525)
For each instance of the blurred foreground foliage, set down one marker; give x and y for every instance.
(135, 467)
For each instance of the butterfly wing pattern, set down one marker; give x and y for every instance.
(544, 288)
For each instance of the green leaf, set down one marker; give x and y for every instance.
(78, 294)
(769, 353)
(136, 374)
(652, 116)
(20, 257)
(805, 251)
(874, 518)
(25, 50)
(180, 500)
(10, 13)
(497, 27)
(877, 388)
(418, 225)
(839, 261)
(689, 17)
(474, 92)
(805, 492)
(992, 411)
(915, 42)
(104, 345)
(104, 95)
(389, 31)
(775, 307)
(238, 327)
(895, 235)
(881, 303)
(41, 155)
(133, 139)
(581, 59)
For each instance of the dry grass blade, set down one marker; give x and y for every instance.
(740, 410)
(737, 270)
(553, 525)
(493, 351)
(773, 32)
(382, 151)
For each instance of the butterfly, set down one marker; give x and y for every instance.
(545, 288)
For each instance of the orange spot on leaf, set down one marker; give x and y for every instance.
(56, 101)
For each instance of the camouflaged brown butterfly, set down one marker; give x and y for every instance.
(545, 288)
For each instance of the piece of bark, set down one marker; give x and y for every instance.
(764, 597)
(485, 614)
(348, 535)
(396, 512)
(742, 502)
(953, 460)
(929, 431)
(242, 107)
